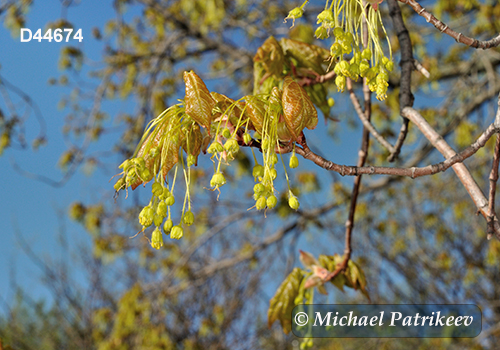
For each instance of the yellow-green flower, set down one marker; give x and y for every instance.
(157, 239)
(296, 13)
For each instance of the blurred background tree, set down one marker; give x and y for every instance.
(417, 241)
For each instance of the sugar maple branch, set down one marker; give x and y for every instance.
(363, 154)
(412, 172)
(407, 65)
(460, 169)
(443, 28)
(493, 185)
(493, 179)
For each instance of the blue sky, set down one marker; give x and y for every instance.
(29, 206)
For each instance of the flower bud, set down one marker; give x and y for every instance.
(157, 239)
(146, 174)
(157, 220)
(261, 203)
(272, 201)
(293, 202)
(167, 226)
(157, 189)
(335, 49)
(294, 14)
(247, 138)
(364, 67)
(177, 232)
(273, 159)
(170, 200)
(226, 133)
(348, 38)
(321, 33)
(357, 57)
(389, 66)
(119, 184)
(346, 47)
(217, 180)
(294, 161)
(354, 70)
(340, 81)
(124, 165)
(165, 194)
(146, 216)
(338, 32)
(161, 210)
(273, 174)
(344, 67)
(372, 73)
(215, 147)
(258, 171)
(131, 172)
(326, 16)
(139, 161)
(366, 54)
(232, 146)
(212, 149)
(259, 188)
(188, 218)
(372, 85)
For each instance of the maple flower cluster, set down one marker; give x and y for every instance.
(354, 55)
(212, 123)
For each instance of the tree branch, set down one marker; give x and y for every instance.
(494, 179)
(412, 172)
(443, 28)
(460, 169)
(407, 65)
(493, 185)
(363, 154)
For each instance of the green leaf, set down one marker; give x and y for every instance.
(298, 109)
(283, 302)
(193, 140)
(357, 278)
(255, 110)
(229, 107)
(271, 56)
(306, 55)
(199, 103)
(319, 96)
(307, 259)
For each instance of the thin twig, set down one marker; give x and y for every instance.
(366, 123)
(318, 79)
(407, 65)
(363, 154)
(493, 185)
(493, 179)
(421, 69)
(443, 28)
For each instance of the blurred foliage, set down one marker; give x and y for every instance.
(414, 241)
